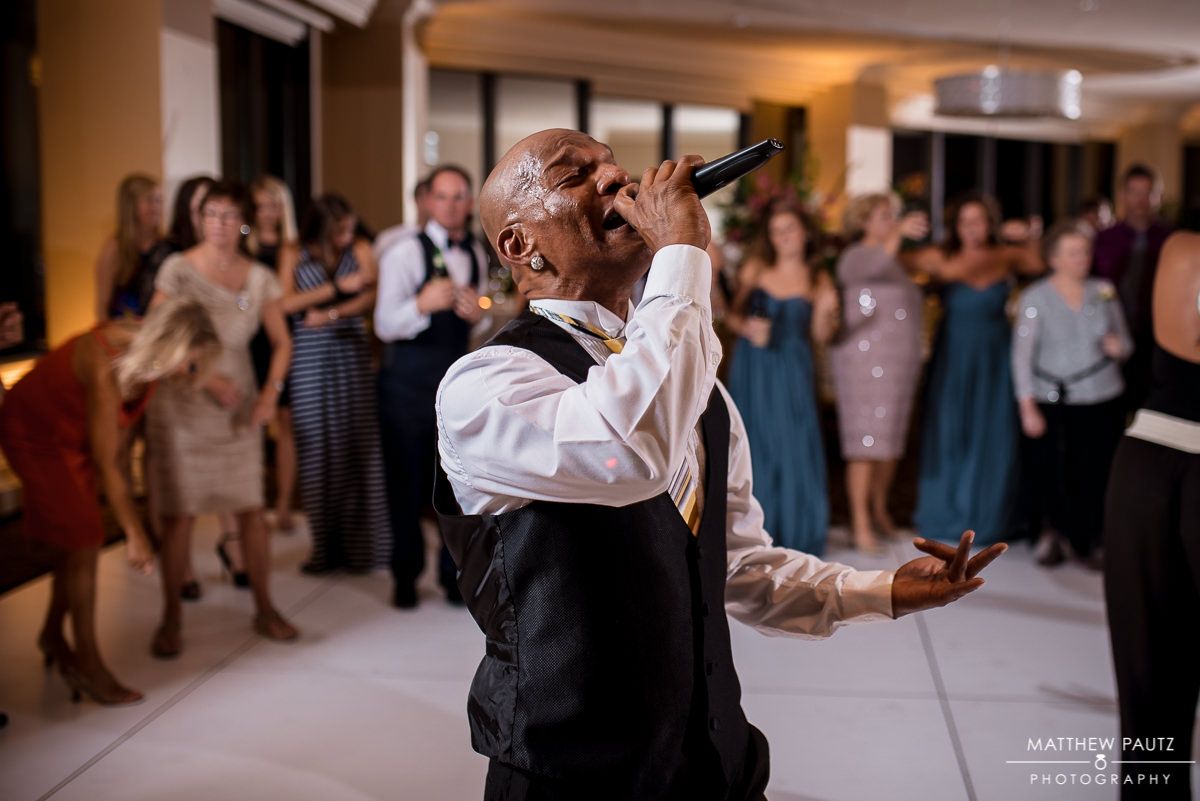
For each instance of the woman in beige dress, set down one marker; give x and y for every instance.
(205, 449)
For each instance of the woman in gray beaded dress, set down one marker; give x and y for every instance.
(877, 358)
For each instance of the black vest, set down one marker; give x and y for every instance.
(424, 359)
(608, 656)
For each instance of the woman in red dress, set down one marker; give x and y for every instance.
(61, 428)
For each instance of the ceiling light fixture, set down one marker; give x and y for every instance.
(996, 92)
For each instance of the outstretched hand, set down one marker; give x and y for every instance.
(944, 576)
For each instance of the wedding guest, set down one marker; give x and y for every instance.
(186, 225)
(1152, 551)
(876, 359)
(1126, 254)
(429, 290)
(130, 258)
(204, 447)
(784, 305)
(1071, 339)
(328, 286)
(60, 427)
(969, 437)
(274, 230)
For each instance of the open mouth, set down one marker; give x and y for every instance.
(613, 221)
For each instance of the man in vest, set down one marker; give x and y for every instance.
(595, 492)
(429, 288)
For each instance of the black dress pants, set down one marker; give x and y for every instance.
(703, 781)
(1152, 586)
(408, 425)
(1065, 471)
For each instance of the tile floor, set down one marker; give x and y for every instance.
(370, 704)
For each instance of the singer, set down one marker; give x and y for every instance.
(595, 492)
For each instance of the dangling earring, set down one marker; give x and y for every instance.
(537, 263)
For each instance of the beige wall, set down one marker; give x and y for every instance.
(362, 119)
(832, 115)
(191, 129)
(98, 108)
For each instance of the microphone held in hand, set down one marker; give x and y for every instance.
(720, 173)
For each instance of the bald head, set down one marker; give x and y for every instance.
(514, 189)
(552, 195)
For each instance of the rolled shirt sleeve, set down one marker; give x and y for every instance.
(779, 591)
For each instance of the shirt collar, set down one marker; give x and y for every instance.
(439, 235)
(587, 311)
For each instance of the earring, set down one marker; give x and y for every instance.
(537, 263)
(245, 229)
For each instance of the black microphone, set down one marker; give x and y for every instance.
(720, 173)
(726, 169)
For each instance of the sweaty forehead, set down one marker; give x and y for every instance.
(567, 146)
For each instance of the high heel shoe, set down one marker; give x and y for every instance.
(240, 578)
(83, 685)
(53, 652)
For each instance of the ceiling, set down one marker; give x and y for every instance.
(1139, 58)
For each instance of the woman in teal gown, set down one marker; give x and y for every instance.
(969, 437)
(970, 430)
(784, 304)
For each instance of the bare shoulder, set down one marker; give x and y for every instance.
(1177, 296)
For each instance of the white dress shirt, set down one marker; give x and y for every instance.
(512, 429)
(401, 274)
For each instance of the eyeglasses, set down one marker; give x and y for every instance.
(223, 216)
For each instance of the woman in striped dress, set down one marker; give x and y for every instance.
(328, 286)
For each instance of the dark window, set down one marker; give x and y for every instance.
(21, 278)
(265, 119)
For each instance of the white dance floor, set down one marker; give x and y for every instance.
(371, 702)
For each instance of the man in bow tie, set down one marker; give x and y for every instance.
(595, 492)
(429, 288)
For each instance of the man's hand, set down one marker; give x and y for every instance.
(941, 578)
(664, 207)
(437, 295)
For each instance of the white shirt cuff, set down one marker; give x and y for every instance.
(867, 595)
(682, 270)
